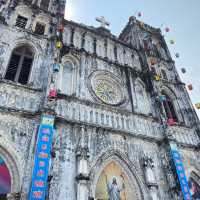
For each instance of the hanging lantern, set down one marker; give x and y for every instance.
(197, 105)
(162, 98)
(58, 44)
(167, 29)
(58, 34)
(56, 67)
(153, 70)
(152, 61)
(141, 24)
(177, 55)
(52, 94)
(157, 77)
(190, 87)
(170, 122)
(139, 14)
(61, 28)
(183, 70)
(172, 42)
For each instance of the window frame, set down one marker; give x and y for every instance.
(42, 24)
(169, 108)
(21, 16)
(75, 75)
(20, 64)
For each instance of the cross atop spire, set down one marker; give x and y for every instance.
(102, 21)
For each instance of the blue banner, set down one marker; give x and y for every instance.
(181, 174)
(42, 157)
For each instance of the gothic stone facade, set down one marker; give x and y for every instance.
(107, 109)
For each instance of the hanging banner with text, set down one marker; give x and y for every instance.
(181, 173)
(42, 157)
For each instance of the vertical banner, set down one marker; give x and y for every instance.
(180, 172)
(42, 157)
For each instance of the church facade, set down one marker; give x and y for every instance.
(120, 110)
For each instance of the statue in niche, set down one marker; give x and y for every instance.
(114, 190)
(113, 184)
(149, 173)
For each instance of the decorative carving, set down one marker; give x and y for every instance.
(168, 170)
(107, 87)
(148, 162)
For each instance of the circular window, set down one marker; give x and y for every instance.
(107, 87)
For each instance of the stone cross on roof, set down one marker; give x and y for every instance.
(103, 21)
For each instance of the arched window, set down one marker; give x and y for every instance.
(5, 179)
(169, 108)
(143, 105)
(68, 76)
(20, 64)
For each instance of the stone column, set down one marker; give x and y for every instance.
(150, 179)
(82, 155)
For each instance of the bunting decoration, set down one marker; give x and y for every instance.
(43, 151)
(197, 105)
(177, 55)
(172, 42)
(167, 29)
(190, 87)
(183, 70)
(139, 14)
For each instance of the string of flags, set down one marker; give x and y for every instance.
(58, 46)
(153, 62)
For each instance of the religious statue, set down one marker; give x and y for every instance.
(114, 190)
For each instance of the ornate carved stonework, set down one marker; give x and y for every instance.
(107, 87)
(106, 115)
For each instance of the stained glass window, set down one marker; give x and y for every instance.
(5, 179)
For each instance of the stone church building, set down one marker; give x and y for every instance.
(120, 110)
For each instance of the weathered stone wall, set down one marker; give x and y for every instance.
(124, 133)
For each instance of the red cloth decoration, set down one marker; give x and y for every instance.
(61, 28)
(52, 94)
(170, 122)
(190, 87)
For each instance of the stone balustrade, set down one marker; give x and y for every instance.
(115, 120)
(18, 97)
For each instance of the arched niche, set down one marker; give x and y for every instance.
(142, 98)
(114, 164)
(170, 94)
(111, 179)
(68, 75)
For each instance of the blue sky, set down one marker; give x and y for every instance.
(182, 16)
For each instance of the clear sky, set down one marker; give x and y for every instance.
(181, 16)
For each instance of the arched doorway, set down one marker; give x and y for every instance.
(194, 186)
(5, 179)
(113, 184)
(113, 167)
